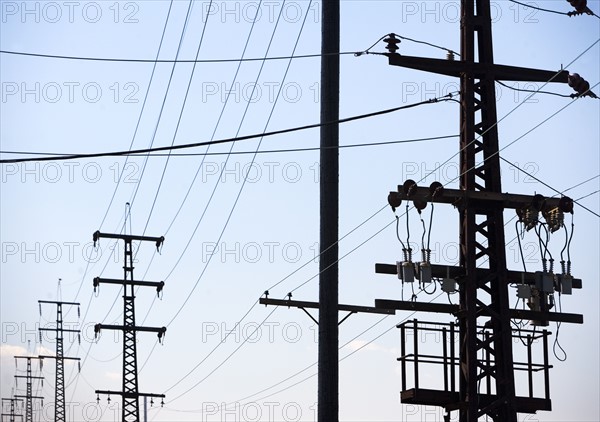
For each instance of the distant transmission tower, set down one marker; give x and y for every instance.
(29, 397)
(12, 415)
(59, 391)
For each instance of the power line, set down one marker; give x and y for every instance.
(245, 178)
(546, 184)
(227, 140)
(379, 231)
(588, 195)
(532, 6)
(271, 151)
(387, 225)
(137, 125)
(185, 98)
(569, 14)
(538, 91)
(248, 172)
(110, 59)
(164, 100)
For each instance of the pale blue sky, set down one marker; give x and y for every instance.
(50, 209)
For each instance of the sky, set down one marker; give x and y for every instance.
(237, 225)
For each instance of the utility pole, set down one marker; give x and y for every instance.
(12, 415)
(485, 350)
(129, 392)
(59, 391)
(29, 397)
(328, 374)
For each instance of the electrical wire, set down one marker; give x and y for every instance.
(109, 59)
(271, 151)
(586, 196)
(216, 185)
(533, 6)
(228, 140)
(245, 178)
(511, 112)
(539, 92)
(428, 43)
(550, 187)
(569, 14)
(164, 101)
(391, 223)
(139, 119)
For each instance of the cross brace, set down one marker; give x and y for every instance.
(445, 271)
(404, 305)
(351, 309)
(496, 72)
(462, 199)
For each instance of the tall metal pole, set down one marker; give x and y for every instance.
(328, 395)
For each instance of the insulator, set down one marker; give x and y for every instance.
(436, 189)
(108, 399)
(551, 265)
(569, 267)
(392, 43)
(562, 267)
(159, 242)
(409, 187)
(79, 338)
(40, 337)
(450, 55)
(98, 398)
(428, 256)
(554, 218)
(420, 204)
(162, 402)
(159, 288)
(151, 402)
(579, 5)
(580, 85)
(40, 305)
(78, 366)
(96, 236)
(394, 200)
(544, 266)
(78, 312)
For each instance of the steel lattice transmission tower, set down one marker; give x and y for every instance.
(29, 397)
(129, 392)
(485, 347)
(12, 415)
(59, 391)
